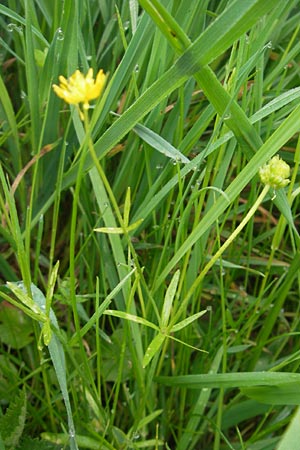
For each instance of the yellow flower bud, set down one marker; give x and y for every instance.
(275, 173)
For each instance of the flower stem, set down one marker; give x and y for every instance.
(221, 250)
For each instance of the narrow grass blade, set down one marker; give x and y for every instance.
(9, 116)
(159, 144)
(169, 298)
(14, 16)
(198, 410)
(153, 348)
(131, 318)
(231, 380)
(286, 130)
(215, 40)
(184, 323)
(98, 313)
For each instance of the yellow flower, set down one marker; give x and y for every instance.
(80, 89)
(275, 173)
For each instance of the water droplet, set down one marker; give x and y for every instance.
(227, 117)
(23, 95)
(159, 166)
(60, 34)
(105, 204)
(126, 25)
(89, 57)
(269, 44)
(11, 27)
(135, 436)
(71, 432)
(136, 68)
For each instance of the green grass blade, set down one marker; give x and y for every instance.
(58, 359)
(215, 40)
(291, 437)
(9, 116)
(159, 144)
(285, 394)
(268, 149)
(231, 380)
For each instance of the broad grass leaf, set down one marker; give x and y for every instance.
(291, 437)
(232, 380)
(284, 394)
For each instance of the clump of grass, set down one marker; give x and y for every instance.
(149, 282)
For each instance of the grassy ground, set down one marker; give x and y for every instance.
(149, 280)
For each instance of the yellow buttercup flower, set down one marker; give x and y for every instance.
(79, 88)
